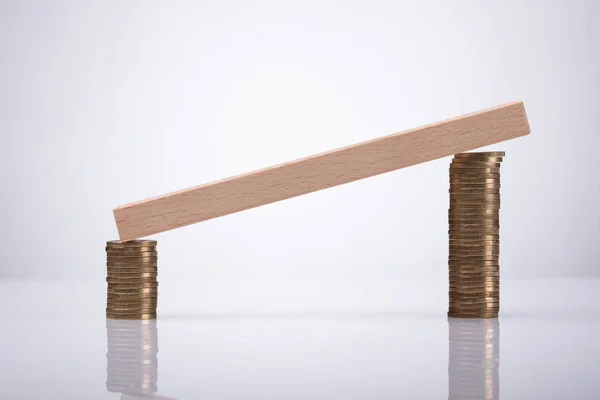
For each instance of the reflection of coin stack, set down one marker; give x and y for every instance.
(474, 235)
(132, 362)
(474, 359)
(131, 276)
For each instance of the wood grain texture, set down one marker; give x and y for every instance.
(321, 171)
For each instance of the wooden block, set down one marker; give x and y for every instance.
(321, 171)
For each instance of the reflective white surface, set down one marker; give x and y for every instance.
(544, 345)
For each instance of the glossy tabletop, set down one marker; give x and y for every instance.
(56, 344)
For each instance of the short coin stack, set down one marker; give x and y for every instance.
(132, 357)
(474, 235)
(132, 269)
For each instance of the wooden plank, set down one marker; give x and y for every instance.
(321, 171)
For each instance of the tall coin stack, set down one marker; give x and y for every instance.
(474, 235)
(132, 359)
(132, 270)
(474, 359)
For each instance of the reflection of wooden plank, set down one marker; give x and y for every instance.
(321, 171)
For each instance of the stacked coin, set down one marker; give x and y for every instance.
(132, 269)
(474, 358)
(132, 361)
(474, 235)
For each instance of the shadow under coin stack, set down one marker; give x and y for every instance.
(474, 235)
(132, 270)
(132, 359)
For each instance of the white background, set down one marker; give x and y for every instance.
(340, 294)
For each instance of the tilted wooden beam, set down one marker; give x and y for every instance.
(321, 171)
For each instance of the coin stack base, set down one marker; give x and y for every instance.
(474, 235)
(132, 270)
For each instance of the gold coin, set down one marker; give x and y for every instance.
(473, 218)
(472, 175)
(132, 260)
(464, 287)
(490, 227)
(472, 310)
(132, 274)
(482, 279)
(132, 300)
(467, 263)
(477, 160)
(130, 250)
(474, 190)
(460, 250)
(474, 302)
(481, 163)
(126, 271)
(491, 314)
(474, 282)
(473, 231)
(132, 305)
(495, 244)
(458, 192)
(487, 168)
(474, 225)
(471, 154)
(475, 196)
(463, 261)
(130, 255)
(477, 213)
(129, 312)
(476, 306)
(471, 236)
(466, 219)
(490, 181)
(131, 285)
(470, 256)
(126, 254)
(135, 290)
(114, 297)
(473, 245)
(131, 243)
(458, 279)
(130, 296)
(474, 278)
(131, 316)
(462, 205)
(476, 165)
(458, 290)
(473, 178)
(136, 265)
(474, 228)
(474, 272)
(473, 307)
(472, 297)
(473, 263)
(462, 284)
(456, 251)
(131, 282)
(464, 257)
